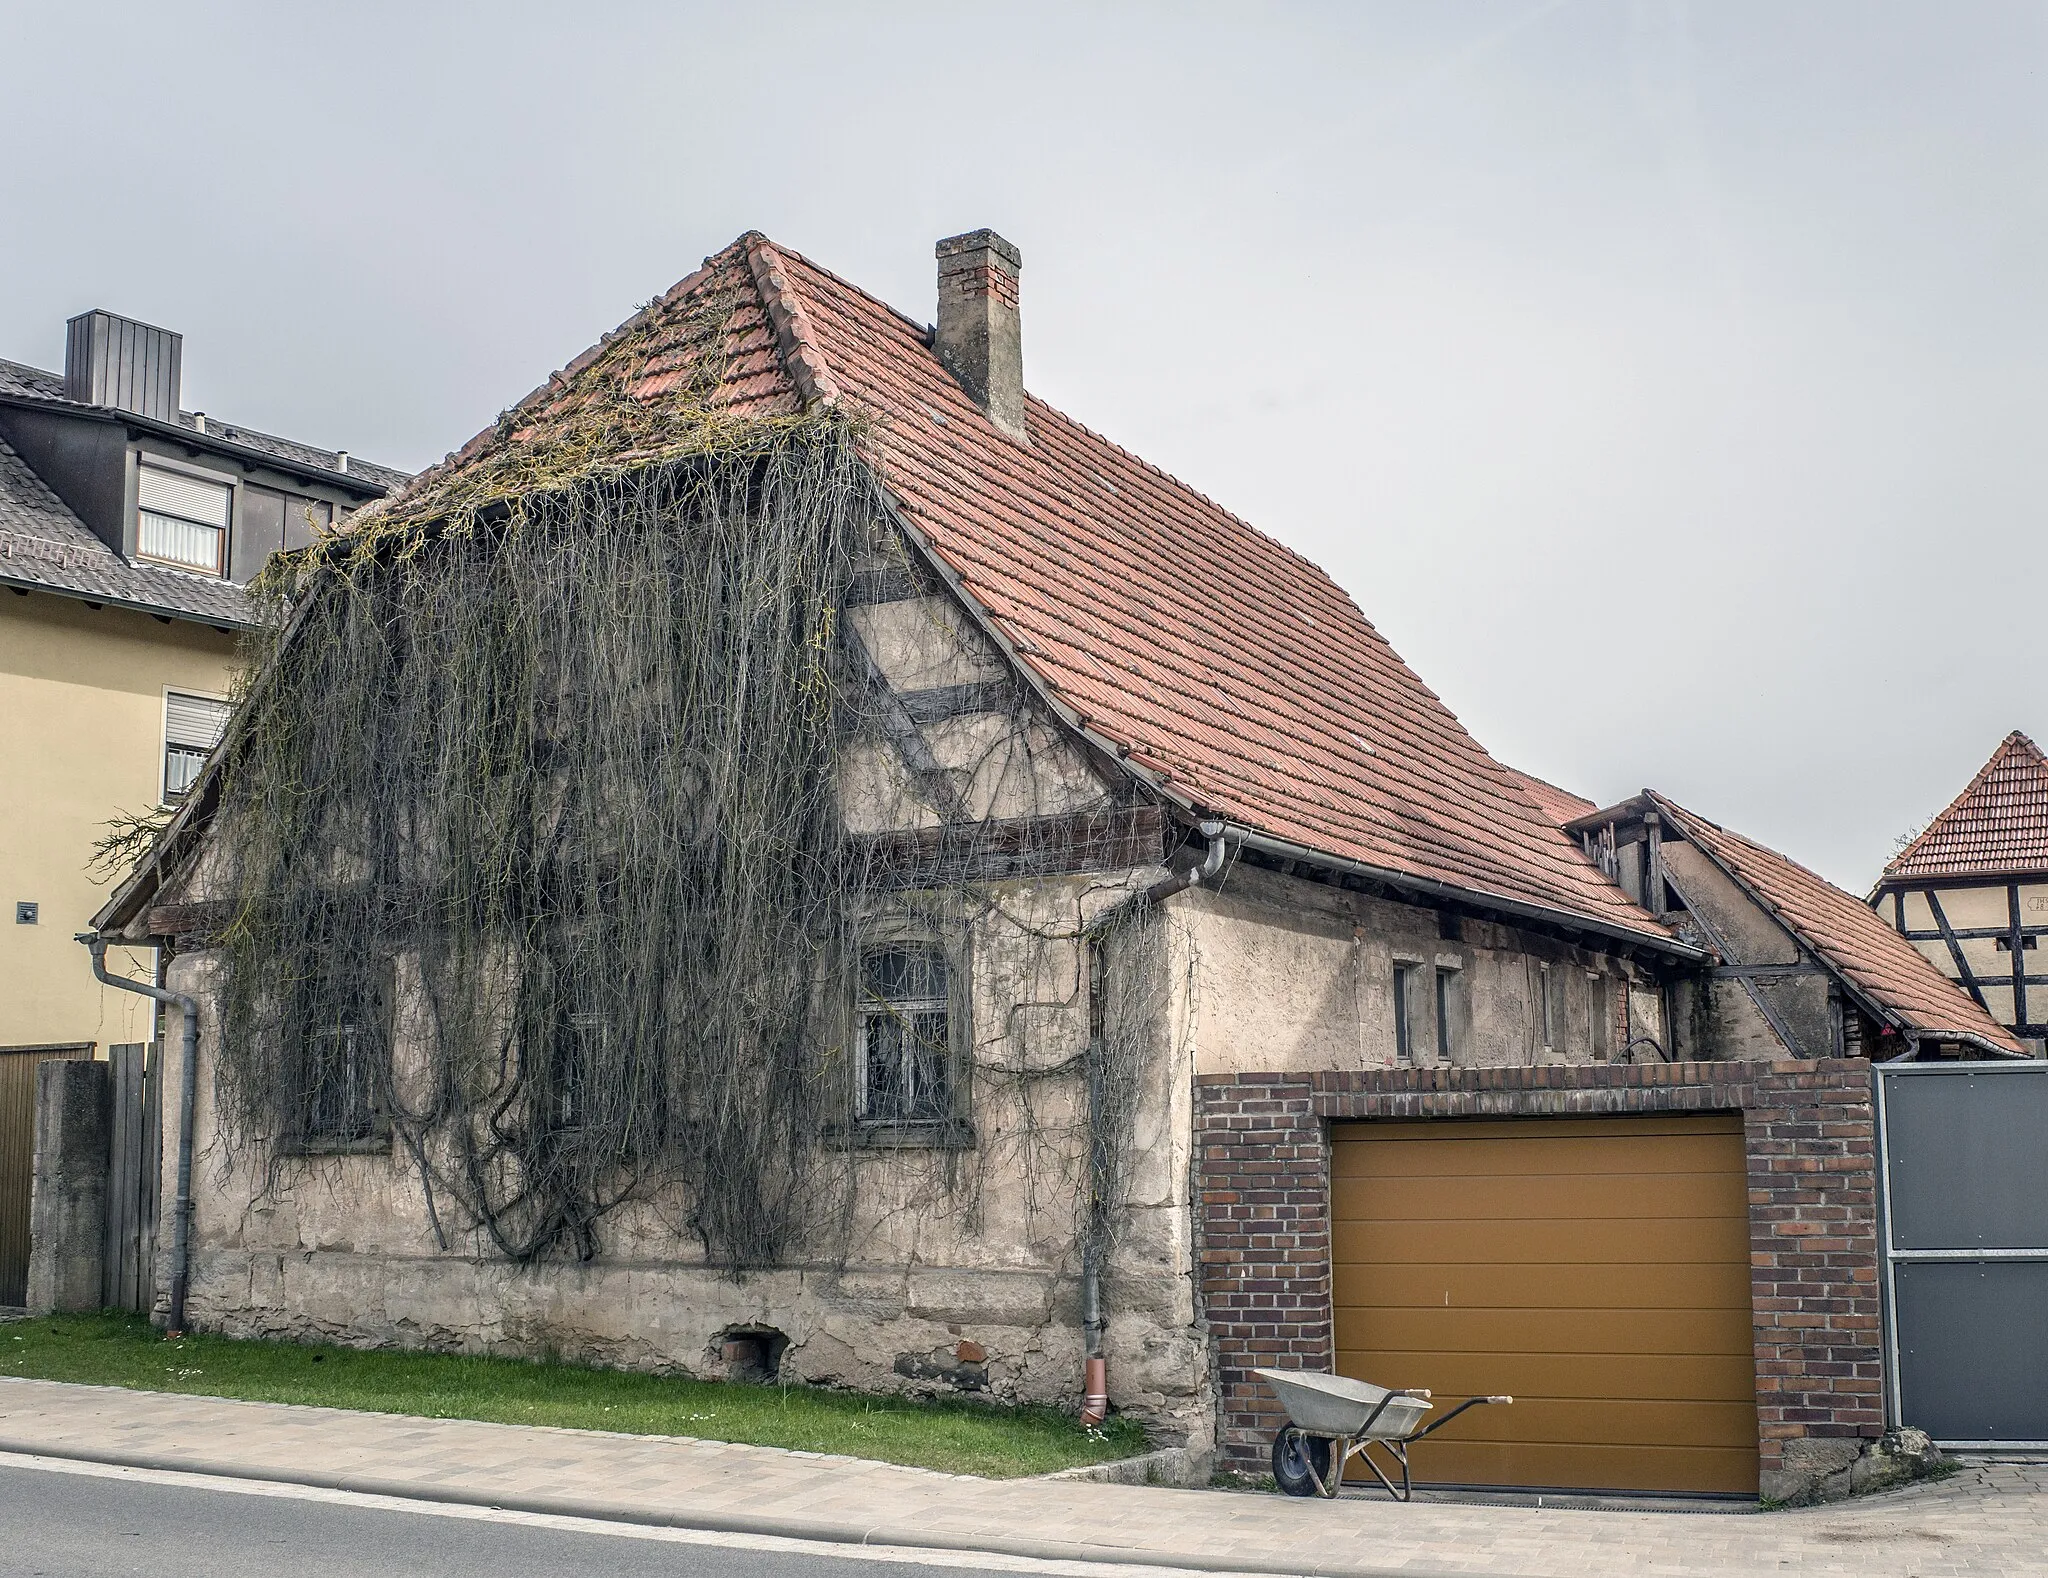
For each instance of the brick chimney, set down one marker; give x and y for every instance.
(979, 336)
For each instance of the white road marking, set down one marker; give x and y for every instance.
(984, 1561)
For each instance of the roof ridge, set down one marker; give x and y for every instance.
(801, 354)
(1055, 411)
(2000, 754)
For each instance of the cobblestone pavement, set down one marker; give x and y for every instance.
(1989, 1518)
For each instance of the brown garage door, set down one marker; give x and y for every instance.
(1596, 1269)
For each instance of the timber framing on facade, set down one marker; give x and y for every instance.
(1971, 890)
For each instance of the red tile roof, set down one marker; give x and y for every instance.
(1847, 934)
(1998, 826)
(1560, 805)
(1222, 666)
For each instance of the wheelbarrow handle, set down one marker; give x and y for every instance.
(1470, 1402)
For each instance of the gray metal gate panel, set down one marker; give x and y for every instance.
(1973, 1347)
(1966, 1249)
(1966, 1152)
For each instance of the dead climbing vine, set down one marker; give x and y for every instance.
(543, 860)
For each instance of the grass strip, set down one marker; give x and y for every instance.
(956, 1435)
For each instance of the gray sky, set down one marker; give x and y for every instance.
(1666, 381)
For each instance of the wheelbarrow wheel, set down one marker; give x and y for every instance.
(1294, 1454)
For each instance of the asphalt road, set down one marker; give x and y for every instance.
(64, 1525)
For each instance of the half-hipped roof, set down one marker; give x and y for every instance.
(1997, 827)
(1224, 669)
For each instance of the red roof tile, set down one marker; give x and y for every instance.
(1848, 935)
(1998, 826)
(1220, 664)
(1560, 805)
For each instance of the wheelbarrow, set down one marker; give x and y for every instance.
(1333, 1419)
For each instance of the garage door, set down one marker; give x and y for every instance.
(1596, 1269)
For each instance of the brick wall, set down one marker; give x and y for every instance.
(1262, 1164)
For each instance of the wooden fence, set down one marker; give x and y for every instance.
(18, 1067)
(134, 1178)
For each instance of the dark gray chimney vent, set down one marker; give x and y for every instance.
(111, 360)
(980, 339)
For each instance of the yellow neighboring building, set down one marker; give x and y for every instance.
(127, 530)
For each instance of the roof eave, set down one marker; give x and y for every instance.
(211, 443)
(109, 600)
(1477, 898)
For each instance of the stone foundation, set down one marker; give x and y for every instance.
(1005, 1336)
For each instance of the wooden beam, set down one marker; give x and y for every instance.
(1955, 949)
(894, 583)
(935, 783)
(2019, 954)
(1111, 839)
(955, 701)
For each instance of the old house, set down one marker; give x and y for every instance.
(1971, 890)
(129, 527)
(1801, 968)
(789, 855)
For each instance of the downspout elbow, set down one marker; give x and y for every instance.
(188, 1090)
(1194, 876)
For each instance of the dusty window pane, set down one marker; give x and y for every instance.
(905, 1036)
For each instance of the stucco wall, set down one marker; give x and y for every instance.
(959, 1268)
(1283, 973)
(81, 727)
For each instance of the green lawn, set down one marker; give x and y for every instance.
(960, 1436)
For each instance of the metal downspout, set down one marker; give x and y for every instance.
(1095, 1368)
(188, 1088)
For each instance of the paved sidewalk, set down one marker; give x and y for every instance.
(1985, 1520)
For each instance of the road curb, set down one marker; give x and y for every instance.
(806, 1529)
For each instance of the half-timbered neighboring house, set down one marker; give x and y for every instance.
(1971, 890)
(788, 855)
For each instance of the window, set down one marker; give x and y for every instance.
(182, 520)
(192, 728)
(341, 1106)
(1600, 1017)
(580, 1043)
(905, 1035)
(1446, 981)
(1404, 1008)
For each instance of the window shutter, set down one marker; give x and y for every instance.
(188, 498)
(194, 722)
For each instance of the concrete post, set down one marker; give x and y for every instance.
(67, 1220)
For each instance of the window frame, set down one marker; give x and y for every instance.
(305, 1140)
(1446, 985)
(951, 1129)
(164, 793)
(146, 460)
(1404, 1011)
